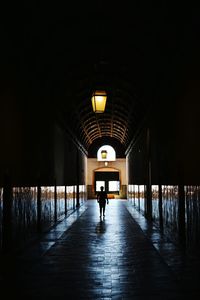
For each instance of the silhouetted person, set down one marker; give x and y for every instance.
(101, 199)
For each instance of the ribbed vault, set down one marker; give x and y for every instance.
(60, 52)
(119, 121)
(125, 109)
(127, 52)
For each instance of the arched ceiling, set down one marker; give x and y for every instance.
(125, 109)
(126, 105)
(62, 51)
(131, 52)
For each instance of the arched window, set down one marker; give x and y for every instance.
(106, 153)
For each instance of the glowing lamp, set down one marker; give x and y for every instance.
(99, 101)
(103, 154)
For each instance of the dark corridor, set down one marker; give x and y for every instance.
(55, 60)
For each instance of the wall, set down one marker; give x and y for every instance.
(35, 151)
(174, 143)
(175, 163)
(26, 130)
(34, 147)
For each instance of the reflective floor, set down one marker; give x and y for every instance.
(118, 257)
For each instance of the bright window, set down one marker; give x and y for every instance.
(113, 186)
(99, 184)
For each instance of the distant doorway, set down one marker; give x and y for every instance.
(109, 180)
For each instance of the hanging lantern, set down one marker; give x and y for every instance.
(103, 154)
(99, 98)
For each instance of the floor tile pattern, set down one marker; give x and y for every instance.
(93, 258)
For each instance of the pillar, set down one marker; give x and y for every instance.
(149, 194)
(78, 179)
(55, 202)
(39, 207)
(7, 215)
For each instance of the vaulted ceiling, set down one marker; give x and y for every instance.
(135, 51)
(125, 108)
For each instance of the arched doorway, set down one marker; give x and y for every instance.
(109, 178)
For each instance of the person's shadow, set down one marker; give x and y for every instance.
(100, 227)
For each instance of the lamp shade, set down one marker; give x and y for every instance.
(103, 154)
(99, 98)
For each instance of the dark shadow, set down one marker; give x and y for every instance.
(100, 227)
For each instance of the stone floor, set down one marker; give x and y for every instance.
(118, 257)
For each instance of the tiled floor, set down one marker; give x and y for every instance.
(119, 257)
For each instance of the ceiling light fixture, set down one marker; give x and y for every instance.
(103, 154)
(99, 98)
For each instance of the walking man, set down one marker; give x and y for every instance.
(102, 198)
